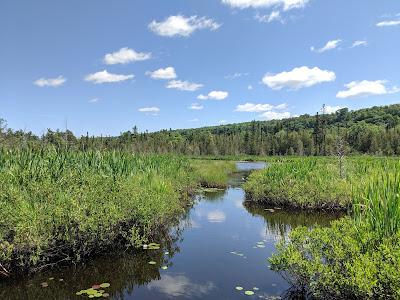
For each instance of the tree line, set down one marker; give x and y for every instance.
(373, 131)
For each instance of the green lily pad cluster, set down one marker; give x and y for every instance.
(260, 244)
(152, 246)
(247, 292)
(96, 291)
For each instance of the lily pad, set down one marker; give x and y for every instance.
(44, 284)
(105, 295)
(152, 263)
(164, 267)
(249, 293)
(256, 288)
(104, 285)
(239, 288)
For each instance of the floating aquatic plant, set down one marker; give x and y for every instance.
(249, 293)
(95, 291)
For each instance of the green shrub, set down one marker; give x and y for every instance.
(343, 261)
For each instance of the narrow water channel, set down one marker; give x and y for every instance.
(219, 245)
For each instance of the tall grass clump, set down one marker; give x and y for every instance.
(62, 206)
(313, 182)
(357, 257)
(213, 173)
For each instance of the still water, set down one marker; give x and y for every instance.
(220, 244)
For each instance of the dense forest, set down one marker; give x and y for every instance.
(373, 130)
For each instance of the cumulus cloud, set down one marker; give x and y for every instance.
(180, 286)
(252, 107)
(106, 77)
(53, 82)
(196, 106)
(222, 122)
(366, 88)
(214, 95)
(273, 16)
(216, 216)
(182, 26)
(359, 43)
(286, 4)
(273, 115)
(331, 109)
(298, 78)
(183, 85)
(167, 73)
(150, 110)
(388, 23)
(124, 56)
(330, 45)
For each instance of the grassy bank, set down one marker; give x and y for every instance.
(357, 257)
(314, 182)
(63, 206)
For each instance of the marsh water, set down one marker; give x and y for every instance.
(218, 245)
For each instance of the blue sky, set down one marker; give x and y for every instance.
(105, 66)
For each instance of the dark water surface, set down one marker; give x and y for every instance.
(219, 245)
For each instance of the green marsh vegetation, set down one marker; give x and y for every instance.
(357, 257)
(63, 206)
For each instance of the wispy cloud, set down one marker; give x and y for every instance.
(252, 107)
(330, 45)
(298, 78)
(124, 56)
(214, 95)
(388, 23)
(236, 75)
(273, 16)
(106, 77)
(150, 110)
(359, 43)
(182, 26)
(51, 82)
(183, 85)
(367, 88)
(196, 106)
(94, 100)
(167, 73)
(285, 4)
(273, 115)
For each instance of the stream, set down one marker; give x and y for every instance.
(220, 244)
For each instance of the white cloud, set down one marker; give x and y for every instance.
(249, 87)
(196, 106)
(180, 286)
(105, 77)
(273, 16)
(236, 75)
(251, 107)
(359, 43)
(273, 115)
(366, 88)
(94, 100)
(388, 23)
(53, 82)
(331, 109)
(214, 95)
(167, 73)
(298, 78)
(183, 85)
(286, 4)
(150, 110)
(330, 45)
(182, 26)
(216, 216)
(124, 56)
(221, 122)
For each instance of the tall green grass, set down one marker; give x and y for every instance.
(60, 205)
(313, 182)
(378, 203)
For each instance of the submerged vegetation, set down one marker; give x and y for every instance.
(61, 206)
